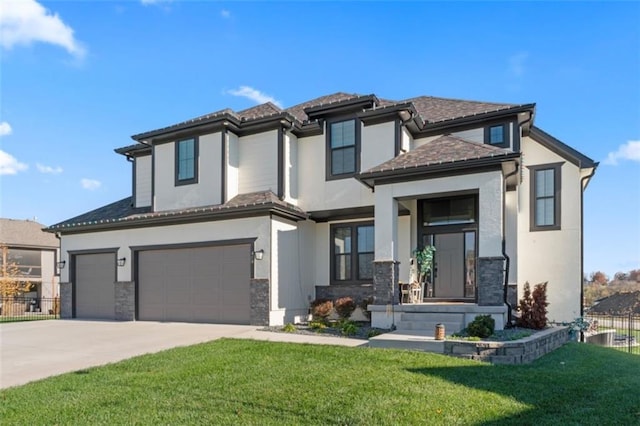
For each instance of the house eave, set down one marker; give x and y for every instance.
(435, 170)
(431, 128)
(178, 218)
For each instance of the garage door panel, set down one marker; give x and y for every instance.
(200, 284)
(95, 276)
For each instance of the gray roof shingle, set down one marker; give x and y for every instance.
(123, 212)
(443, 150)
(25, 233)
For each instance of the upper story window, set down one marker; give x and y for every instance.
(27, 261)
(343, 148)
(545, 197)
(497, 135)
(187, 161)
(352, 252)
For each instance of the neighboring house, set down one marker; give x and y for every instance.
(34, 252)
(245, 217)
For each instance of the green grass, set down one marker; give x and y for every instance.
(266, 383)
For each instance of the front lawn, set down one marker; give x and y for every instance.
(255, 382)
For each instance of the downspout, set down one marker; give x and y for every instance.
(507, 259)
(582, 188)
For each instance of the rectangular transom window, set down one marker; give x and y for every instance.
(545, 197)
(187, 161)
(342, 149)
(449, 211)
(352, 252)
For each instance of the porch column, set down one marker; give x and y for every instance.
(385, 265)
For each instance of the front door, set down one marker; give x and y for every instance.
(449, 265)
(450, 225)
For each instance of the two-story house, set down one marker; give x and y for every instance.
(245, 217)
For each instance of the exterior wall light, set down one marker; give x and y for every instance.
(122, 261)
(258, 254)
(61, 264)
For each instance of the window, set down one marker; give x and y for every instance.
(343, 149)
(497, 135)
(545, 197)
(449, 211)
(352, 252)
(28, 262)
(187, 161)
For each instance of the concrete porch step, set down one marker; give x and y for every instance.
(433, 316)
(429, 327)
(408, 339)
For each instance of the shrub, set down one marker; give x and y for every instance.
(317, 325)
(482, 326)
(345, 306)
(533, 307)
(539, 311)
(363, 305)
(321, 309)
(373, 333)
(347, 327)
(289, 328)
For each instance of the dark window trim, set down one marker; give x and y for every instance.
(329, 122)
(505, 132)
(354, 253)
(196, 143)
(557, 178)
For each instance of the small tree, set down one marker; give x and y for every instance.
(424, 258)
(539, 311)
(525, 307)
(533, 307)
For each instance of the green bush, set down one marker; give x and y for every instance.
(317, 325)
(289, 328)
(344, 306)
(321, 309)
(347, 327)
(482, 326)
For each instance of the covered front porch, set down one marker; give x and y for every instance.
(463, 217)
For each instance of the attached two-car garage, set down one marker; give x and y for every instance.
(199, 284)
(188, 284)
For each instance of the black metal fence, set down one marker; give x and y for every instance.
(29, 308)
(621, 332)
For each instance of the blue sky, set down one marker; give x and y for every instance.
(79, 78)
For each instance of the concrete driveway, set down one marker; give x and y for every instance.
(34, 350)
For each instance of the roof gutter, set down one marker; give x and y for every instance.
(475, 118)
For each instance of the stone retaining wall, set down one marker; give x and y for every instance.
(521, 351)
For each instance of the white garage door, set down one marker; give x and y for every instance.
(203, 284)
(95, 276)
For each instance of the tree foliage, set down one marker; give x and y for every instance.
(533, 307)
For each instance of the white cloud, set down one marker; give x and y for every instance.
(629, 151)
(48, 169)
(9, 165)
(23, 22)
(5, 129)
(253, 94)
(516, 64)
(90, 184)
(225, 14)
